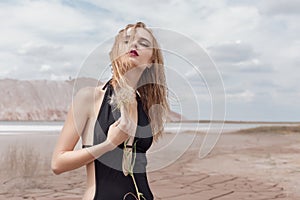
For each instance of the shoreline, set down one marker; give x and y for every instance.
(182, 121)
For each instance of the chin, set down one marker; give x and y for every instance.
(135, 64)
(133, 61)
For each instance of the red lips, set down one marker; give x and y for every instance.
(133, 53)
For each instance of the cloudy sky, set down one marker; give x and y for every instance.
(254, 44)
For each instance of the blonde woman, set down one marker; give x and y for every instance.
(118, 121)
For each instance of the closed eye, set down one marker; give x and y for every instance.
(144, 42)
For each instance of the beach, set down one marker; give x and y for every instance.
(242, 165)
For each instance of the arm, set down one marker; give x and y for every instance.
(64, 157)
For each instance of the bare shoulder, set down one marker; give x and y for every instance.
(88, 94)
(86, 98)
(98, 92)
(84, 95)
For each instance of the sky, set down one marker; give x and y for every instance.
(254, 46)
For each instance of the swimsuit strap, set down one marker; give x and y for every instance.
(106, 84)
(86, 146)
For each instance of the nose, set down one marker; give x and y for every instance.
(134, 44)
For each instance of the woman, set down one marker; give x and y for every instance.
(118, 121)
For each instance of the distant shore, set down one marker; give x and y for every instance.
(237, 122)
(182, 121)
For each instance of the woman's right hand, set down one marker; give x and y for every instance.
(115, 135)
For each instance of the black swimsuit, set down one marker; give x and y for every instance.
(111, 183)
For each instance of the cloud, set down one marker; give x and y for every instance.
(37, 33)
(254, 44)
(243, 96)
(239, 57)
(232, 52)
(45, 68)
(280, 7)
(42, 51)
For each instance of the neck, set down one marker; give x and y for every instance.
(133, 77)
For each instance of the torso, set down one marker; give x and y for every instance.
(88, 139)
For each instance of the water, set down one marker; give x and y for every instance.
(217, 126)
(29, 127)
(206, 126)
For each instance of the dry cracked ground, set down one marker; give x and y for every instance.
(251, 166)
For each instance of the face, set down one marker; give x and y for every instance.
(139, 47)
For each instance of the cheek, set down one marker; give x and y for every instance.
(122, 50)
(147, 55)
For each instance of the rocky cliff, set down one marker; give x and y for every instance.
(42, 99)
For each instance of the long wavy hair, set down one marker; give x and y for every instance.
(151, 86)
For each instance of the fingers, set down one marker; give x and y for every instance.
(125, 125)
(129, 128)
(117, 122)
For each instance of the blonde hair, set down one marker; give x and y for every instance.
(152, 83)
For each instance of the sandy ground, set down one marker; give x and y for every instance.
(241, 166)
